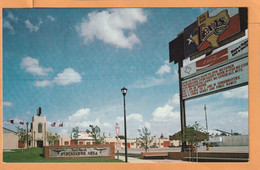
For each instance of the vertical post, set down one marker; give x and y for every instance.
(125, 131)
(182, 110)
(205, 108)
(117, 156)
(34, 139)
(27, 142)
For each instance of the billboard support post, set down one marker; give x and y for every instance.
(182, 110)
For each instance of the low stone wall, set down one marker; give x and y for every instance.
(147, 154)
(79, 151)
(177, 155)
(181, 155)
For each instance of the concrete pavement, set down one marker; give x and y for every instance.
(136, 160)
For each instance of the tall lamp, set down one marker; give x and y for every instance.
(124, 91)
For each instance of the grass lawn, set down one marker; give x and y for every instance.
(35, 155)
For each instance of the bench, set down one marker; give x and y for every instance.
(154, 155)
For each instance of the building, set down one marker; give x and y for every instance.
(234, 140)
(39, 131)
(39, 137)
(10, 139)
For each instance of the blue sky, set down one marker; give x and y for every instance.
(73, 63)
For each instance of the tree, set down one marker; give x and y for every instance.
(120, 137)
(145, 138)
(236, 134)
(51, 138)
(95, 134)
(75, 134)
(194, 134)
(223, 134)
(22, 135)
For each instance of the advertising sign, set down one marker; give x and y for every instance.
(210, 29)
(236, 50)
(219, 79)
(117, 128)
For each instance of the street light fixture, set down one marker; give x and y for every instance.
(124, 91)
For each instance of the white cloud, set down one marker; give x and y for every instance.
(164, 69)
(80, 115)
(7, 25)
(165, 113)
(243, 114)
(50, 18)
(108, 125)
(11, 16)
(8, 104)
(132, 117)
(67, 77)
(43, 83)
(175, 100)
(147, 82)
(238, 93)
(31, 27)
(147, 124)
(32, 66)
(109, 26)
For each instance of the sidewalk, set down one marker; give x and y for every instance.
(136, 160)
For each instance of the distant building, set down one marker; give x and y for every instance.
(235, 140)
(10, 139)
(38, 131)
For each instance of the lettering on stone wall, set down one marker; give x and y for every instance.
(80, 152)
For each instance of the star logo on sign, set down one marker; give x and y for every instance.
(190, 40)
(187, 70)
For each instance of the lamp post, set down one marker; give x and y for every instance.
(124, 90)
(27, 123)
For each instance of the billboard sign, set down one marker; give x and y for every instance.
(221, 57)
(210, 29)
(219, 79)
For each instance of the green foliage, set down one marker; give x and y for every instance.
(145, 138)
(51, 138)
(22, 134)
(75, 134)
(194, 134)
(120, 137)
(223, 134)
(95, 134)
(236, 134)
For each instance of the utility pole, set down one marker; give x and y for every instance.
(205, 108)
(182, 110)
